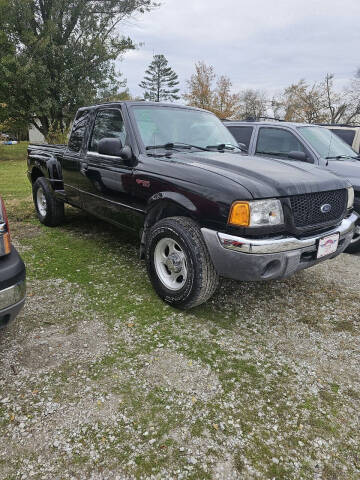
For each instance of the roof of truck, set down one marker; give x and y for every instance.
(277, 123)
(141, 102)
(288, 124)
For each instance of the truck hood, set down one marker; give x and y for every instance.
(349, 169)
(267, 177)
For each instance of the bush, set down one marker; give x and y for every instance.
(56, 135)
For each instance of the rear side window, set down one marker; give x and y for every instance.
(242, 134)
(78, 130)
(277, 142)
(346, 135)
(108, 124)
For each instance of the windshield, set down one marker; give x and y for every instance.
(165, 125)
(326, 143)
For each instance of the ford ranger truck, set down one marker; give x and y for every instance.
(203, 209)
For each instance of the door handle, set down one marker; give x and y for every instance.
(83, 168)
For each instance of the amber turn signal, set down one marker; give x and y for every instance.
(7, 243)
(240, 214)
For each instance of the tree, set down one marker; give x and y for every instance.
(160, 81)
(320, 102)
(225, 103)
(253, 104)
(335, 103)
(301, 102)
(352, 95)
(200, 87)
(202, 93)
(60, 54)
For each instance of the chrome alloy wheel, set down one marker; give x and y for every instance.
(170, 264)
(41, 202)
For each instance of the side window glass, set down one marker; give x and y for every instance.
(108, 124)
(78, 131)
(242, 134)
(277, 142)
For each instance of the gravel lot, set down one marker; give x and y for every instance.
(101, 380)
(263, 382)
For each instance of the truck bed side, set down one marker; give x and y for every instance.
(43, 161)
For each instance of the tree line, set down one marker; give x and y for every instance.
(56, 56)
(318, 102)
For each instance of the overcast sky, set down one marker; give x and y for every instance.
(265, 44)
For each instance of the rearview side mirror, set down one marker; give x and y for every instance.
(301, 156)
(243, 147)
(110, 146)
(114, 148)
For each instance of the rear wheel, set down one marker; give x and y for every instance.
(179, 264)
(50, 211)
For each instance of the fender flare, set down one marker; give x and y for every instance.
(50, 168)
(174, 197)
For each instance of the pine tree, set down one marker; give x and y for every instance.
(160, 81)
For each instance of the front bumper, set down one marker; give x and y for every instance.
(252, 259)
(12, 300)
(12, 286)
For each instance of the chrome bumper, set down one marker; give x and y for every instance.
(273, 258)
(283, 244)
(12, 295)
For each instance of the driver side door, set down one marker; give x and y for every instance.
(279, 142)
(108, 191)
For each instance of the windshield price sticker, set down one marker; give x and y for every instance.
(328, 245)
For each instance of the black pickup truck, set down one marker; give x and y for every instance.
(305, 143)
(203, 208)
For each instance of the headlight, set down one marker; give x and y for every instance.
(350, 201)
(258, 213)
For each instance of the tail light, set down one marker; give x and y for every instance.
(5, 241)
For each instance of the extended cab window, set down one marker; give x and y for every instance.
(78, 130)
(277, 142)
(242, 134)
(108, 124)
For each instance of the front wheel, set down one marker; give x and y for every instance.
(179, 264)
(50, 211)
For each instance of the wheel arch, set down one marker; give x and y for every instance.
(50, 169)
(36, 173)
(164, 205)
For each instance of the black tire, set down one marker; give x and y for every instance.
(201, 278)
(54, 209)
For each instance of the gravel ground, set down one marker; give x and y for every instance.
(101, 380)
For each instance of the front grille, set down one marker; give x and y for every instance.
(307, 212)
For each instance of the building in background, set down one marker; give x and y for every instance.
(34, 135)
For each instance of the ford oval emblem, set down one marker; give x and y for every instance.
(325, 208)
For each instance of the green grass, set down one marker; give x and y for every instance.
(13, 152)
(13, 180)
(259, 386)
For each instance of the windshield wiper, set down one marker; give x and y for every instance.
(340, 157)
(276, 154)
(224, 146)
(175, 145)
